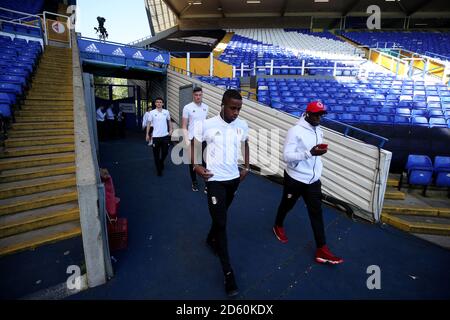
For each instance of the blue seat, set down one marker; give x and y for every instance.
(5, 110)
(367, 118)
(442, 171)
(420, 121)
(419, 170)
(437, 122)
(401, 120)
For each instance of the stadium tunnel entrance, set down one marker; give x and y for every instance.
(146, 74)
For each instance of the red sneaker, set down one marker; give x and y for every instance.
(279, 233)
(324, 255)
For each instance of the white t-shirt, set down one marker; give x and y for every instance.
(145, 119)
(224, 146)
(158, 120)
(109, 114)
(195, 115)
(100, 115)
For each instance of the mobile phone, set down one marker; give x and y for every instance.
(322, 146)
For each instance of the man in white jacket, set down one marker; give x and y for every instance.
(302, 150)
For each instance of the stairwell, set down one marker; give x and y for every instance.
(426, 217)
(38, 194)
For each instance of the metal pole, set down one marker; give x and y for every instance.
(211, 64)
(188, 63)
(45, 30)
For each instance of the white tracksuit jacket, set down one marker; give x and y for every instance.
(301, 164)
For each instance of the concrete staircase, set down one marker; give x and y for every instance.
(408, 210)
(38, 195)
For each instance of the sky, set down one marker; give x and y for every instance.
(126, 21)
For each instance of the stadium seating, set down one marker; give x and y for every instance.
(18, 60)
(287, 54)
(386, 99)
(419, 170)
(434, 44)
(442, 171)
(224, 83)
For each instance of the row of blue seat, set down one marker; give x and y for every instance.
(20, 29)
(18, 60)
(420, 170)
(429, 43)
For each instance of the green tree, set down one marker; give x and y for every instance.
(103, 91)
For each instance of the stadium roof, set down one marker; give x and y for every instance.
(186, 9)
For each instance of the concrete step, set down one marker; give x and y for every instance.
(43, 113)
(50, 89)
(58, 73)
(392, 182)
(11, 175)
(35, 238)
(37, 200)
(394, 194)
(47, 108)
(54, 118)
(45, 102)
(430, 211)
(36, 160)
(38, 150)
(418, 224)
(50, 98)
(44, 132)
(50, 83)
(38, 141)
(42, 125)
(38, 218)
(55, 67)
(36, 185)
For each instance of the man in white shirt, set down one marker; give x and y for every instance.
(110, 122)
(159, 129)
(100, 117)
(302, 150)
(145, 119)
(224, 136)
(194, 114)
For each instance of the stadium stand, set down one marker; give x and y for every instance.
(434, 44)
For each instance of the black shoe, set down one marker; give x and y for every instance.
(212, 244)
(230, 285)
(195, 186)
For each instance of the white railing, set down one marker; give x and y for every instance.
(68, 25)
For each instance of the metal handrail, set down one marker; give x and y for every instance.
(349, 127)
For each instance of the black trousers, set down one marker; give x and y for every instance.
(160, 151)
(220, 196)
(312, 195)
(191, 166)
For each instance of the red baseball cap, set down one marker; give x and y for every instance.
(316, 107)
